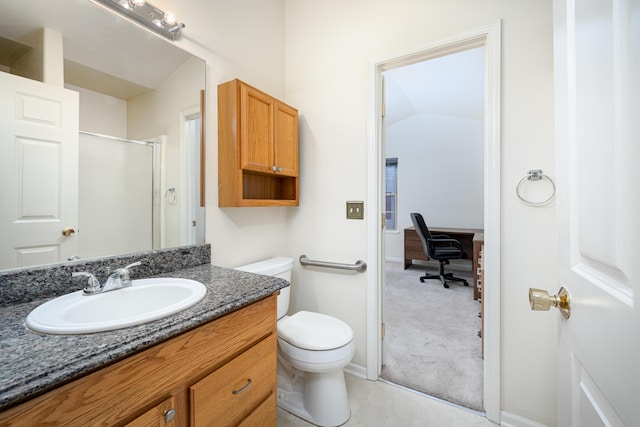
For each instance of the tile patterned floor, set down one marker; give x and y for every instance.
(380, 404)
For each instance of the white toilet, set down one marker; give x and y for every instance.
(312, 350)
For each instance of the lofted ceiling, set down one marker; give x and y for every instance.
(451, 85)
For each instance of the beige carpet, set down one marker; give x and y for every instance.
(431, 341)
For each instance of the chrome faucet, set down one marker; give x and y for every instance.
(116, 280)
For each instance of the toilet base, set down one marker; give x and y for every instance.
(320, 399)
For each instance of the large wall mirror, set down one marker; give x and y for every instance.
(133, 144)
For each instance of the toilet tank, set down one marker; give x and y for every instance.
(276, 267)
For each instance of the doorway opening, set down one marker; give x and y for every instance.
(487, 37)
(433, 139)
(193, 212)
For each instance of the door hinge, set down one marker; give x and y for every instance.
(383, 217)
(383, 109)
(382, 330)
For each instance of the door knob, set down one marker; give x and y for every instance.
(68, 231)
(540, 300)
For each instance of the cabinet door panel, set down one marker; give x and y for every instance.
(256, 139)
(286, 139)
(156, 416)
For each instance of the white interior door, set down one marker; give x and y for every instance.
(38, 172)
(597, 46)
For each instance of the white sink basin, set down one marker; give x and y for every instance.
(145, 300)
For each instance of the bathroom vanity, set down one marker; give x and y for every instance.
(215, 361)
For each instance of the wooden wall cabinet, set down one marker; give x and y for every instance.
(257, 148)
(221, 373)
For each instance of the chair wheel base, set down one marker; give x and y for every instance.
(443, 279)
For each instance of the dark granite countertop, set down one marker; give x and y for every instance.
(32, 363)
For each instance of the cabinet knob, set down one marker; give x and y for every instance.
(273, 168)
(280, 169)
(169, 415)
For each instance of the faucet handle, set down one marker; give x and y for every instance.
(93, 286)
(135, 264)
(125, 279)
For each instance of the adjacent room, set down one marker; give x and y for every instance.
(434, 111)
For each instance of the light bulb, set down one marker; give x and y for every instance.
(136, 3)
(169, 18)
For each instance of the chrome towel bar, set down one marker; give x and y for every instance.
(358, 266)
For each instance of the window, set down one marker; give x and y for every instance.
(391, 197)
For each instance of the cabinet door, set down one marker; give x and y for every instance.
(286, 139)
(256, 130)
(158, 416)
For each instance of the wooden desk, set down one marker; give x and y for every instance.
(470, 239)
(478, 245)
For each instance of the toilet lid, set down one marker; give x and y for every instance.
(314, 331)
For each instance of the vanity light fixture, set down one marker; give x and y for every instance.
(147, 15)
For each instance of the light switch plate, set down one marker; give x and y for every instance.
(355, 210)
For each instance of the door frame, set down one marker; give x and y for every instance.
(488, 36)
(190, 197)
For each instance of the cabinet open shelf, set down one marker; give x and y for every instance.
(269, 187)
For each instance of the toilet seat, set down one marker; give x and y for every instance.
(314, 331)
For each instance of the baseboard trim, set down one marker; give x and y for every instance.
(511, 420)
(356, 370)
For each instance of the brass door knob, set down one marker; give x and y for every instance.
(540, 300)
(68, 231)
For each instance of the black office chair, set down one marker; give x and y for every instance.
(440, 247)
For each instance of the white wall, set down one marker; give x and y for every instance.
(440, 173)
(328, 46)
(433, 125)
(101, 113)
(157, 113)
(238, 39)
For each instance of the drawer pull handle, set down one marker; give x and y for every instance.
(246, 386)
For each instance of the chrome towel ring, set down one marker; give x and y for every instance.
(170, 196)
(536, 175)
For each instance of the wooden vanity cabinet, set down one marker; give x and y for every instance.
(221, 373)
(257, 148)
